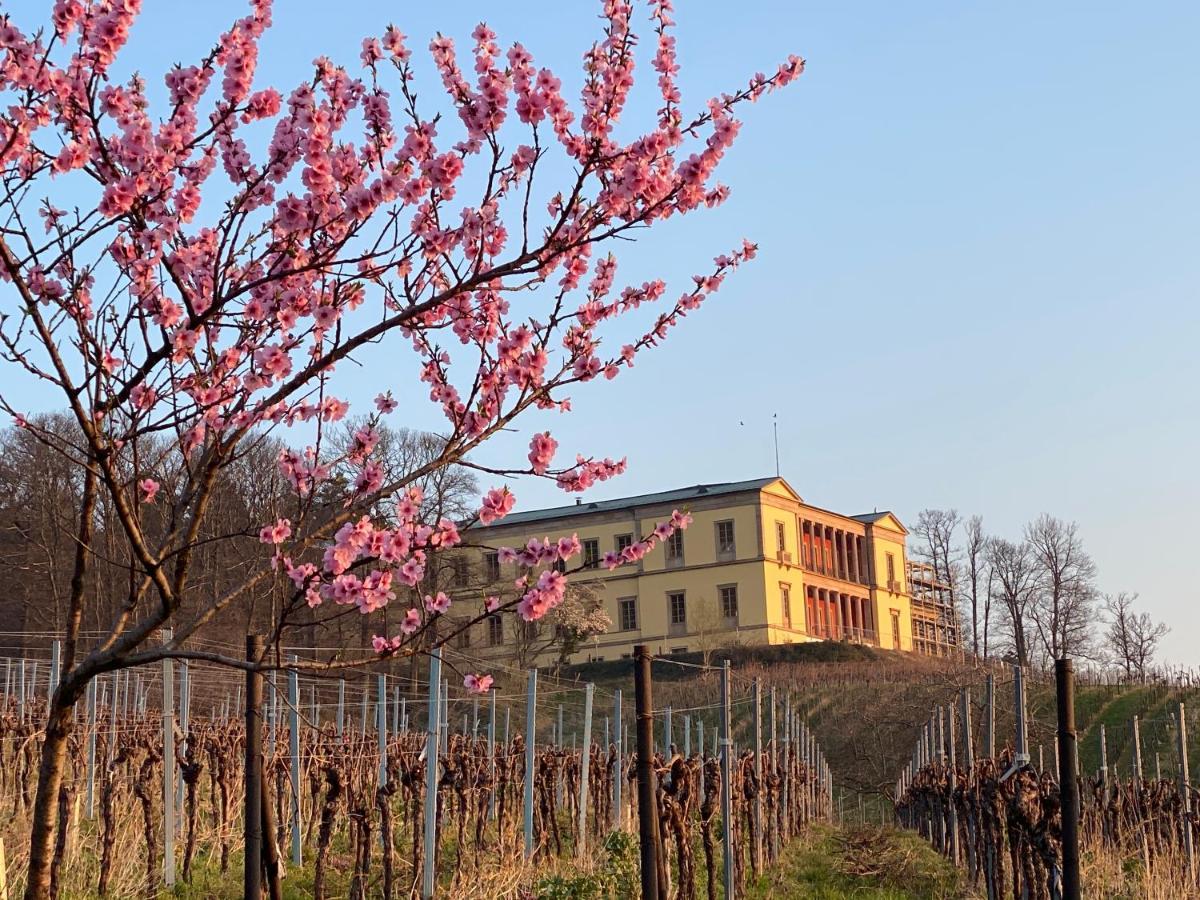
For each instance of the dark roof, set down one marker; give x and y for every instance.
(873, 516)
(679, 495)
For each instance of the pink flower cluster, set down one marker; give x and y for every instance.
(638, 549)
(496, 505)
(478, 684)
(337, 230)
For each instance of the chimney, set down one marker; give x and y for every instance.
(578, 501)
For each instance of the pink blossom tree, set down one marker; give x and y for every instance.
(187, 288)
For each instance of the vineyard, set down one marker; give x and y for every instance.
(156, 792)
(1002, 815)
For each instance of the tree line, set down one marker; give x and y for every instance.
(1036, 597)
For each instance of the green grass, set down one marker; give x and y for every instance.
(828, 865)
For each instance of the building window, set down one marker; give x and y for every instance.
(464, 638)
(785, 604)
(725, 545)
(895, 629)
(495, 631)
(491, 563)
(623, 541)
(627, 613)
(591, 553)
(459, 567)
(891, 570)
(677, 608)
(806, 549)
(675, 548)
(780, 537)
(729, 603)
(560, 565)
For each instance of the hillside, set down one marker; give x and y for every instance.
(865, 708)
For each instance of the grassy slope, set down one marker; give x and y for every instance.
(865, 707)
(867, 863)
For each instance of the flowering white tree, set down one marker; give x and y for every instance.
(188, 290)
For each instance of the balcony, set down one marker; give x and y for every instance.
(867, 636)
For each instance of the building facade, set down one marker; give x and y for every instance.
(757, 565)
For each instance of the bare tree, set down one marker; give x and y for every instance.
(1132, 638)
(1016, 581)
(1066, 586)
(712, 630)
(564, 630)
(935, 529)
(974, 567)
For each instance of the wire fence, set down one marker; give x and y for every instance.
(535, 770)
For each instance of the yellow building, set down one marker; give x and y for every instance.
(757, 565)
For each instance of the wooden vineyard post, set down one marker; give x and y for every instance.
(972, 787)
(989, 719)
(1185, 790)
(953, 762)
(429, 872)
(1064, 679)
(252, 875)
(585, 760)
(647, 807)
(530, 748)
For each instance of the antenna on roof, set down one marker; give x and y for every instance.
(775, 426)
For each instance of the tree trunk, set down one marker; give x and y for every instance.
(45, 807)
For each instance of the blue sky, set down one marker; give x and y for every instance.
(977, 275)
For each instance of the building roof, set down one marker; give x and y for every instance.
(872, 516)
(878, 517)
(678, 495)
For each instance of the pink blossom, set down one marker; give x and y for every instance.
(411, 621)
(491, 604)
(149, 488)
(496, 505)
(437, 604)
(277, 533)
(384, 402)
(477, 684)
(541, 452)
(291, 214)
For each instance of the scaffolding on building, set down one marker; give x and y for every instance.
(934, 615)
